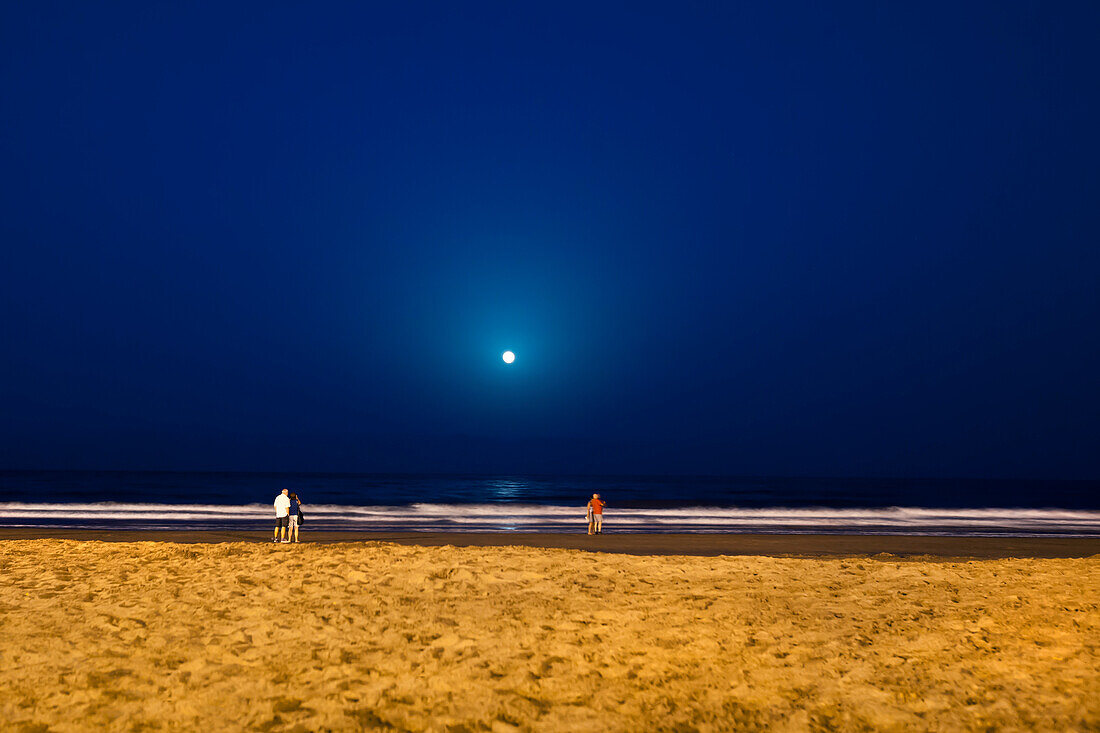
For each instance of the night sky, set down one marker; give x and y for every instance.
(833, 239)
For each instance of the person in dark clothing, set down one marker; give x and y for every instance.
(295, 516)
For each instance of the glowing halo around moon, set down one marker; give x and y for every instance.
(508, 357)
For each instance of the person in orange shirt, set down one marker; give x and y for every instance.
(595, 515)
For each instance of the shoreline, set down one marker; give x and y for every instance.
(700, 545)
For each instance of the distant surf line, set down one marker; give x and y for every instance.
(550, 518)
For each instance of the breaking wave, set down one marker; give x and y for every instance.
(540, 518)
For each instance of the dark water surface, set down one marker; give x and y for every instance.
(145, 500)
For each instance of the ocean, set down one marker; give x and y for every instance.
(464, 503)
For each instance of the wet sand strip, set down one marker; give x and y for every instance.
(793, 545)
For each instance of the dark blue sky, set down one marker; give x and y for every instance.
(767, 238)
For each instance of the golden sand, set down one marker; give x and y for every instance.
(128, 636)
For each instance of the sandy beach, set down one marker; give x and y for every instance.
(383, 636)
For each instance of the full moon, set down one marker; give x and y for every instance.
(508, 357)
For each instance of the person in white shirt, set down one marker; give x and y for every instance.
(282, 515)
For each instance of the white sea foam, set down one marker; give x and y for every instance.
(539, 518)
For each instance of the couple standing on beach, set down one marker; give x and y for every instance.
(288, 515)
